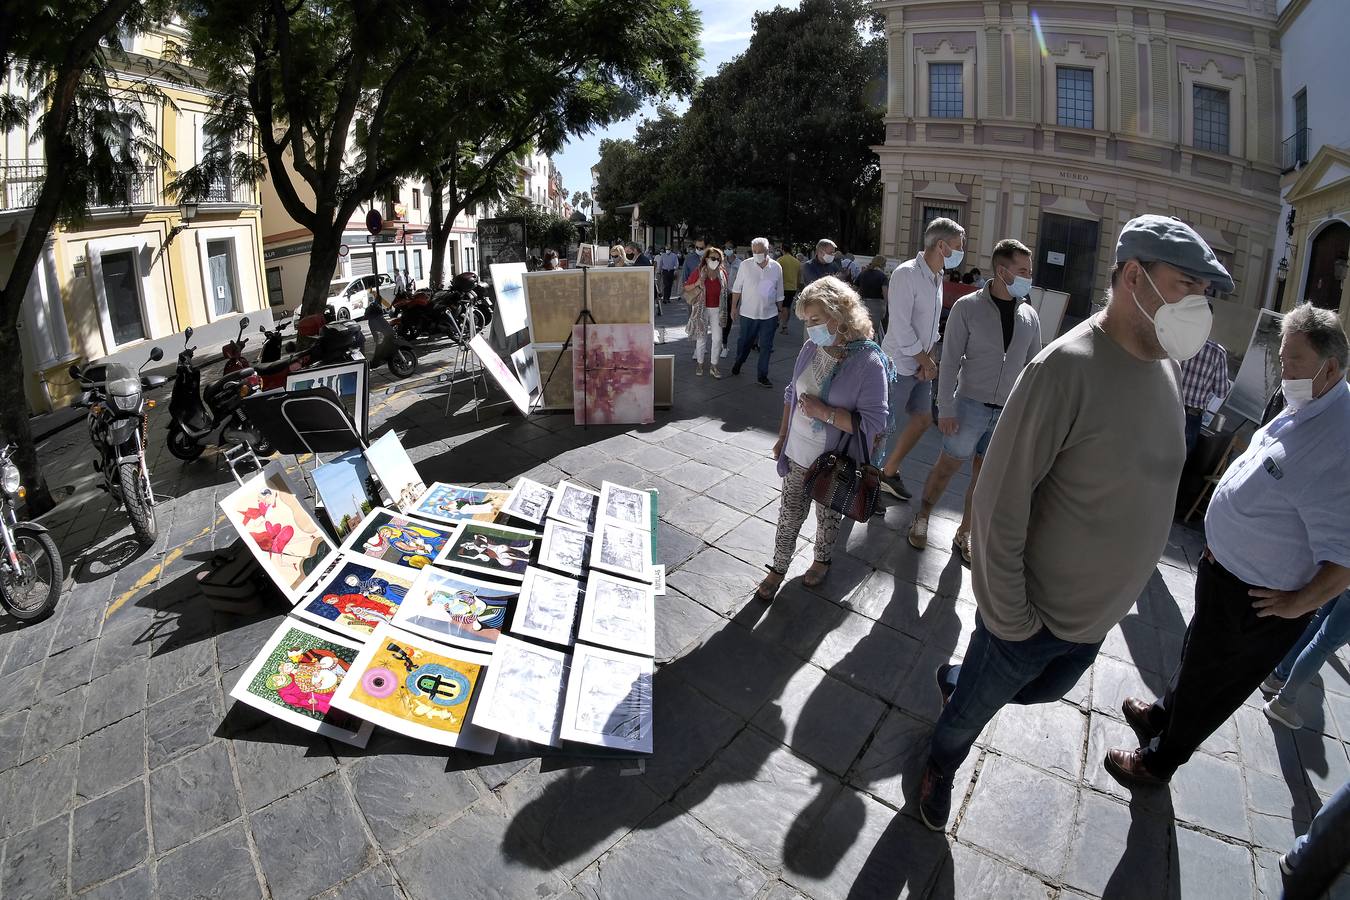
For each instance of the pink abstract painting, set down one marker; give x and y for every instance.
(612, 369)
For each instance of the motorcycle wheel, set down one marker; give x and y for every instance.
(140, 508)
(31, 593)
(403, 363)
(474, 322)
(183, 447)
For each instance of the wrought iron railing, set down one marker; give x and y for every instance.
(1294, 150)
(222, 190)
(20, 186)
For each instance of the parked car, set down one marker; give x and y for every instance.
(348, 297)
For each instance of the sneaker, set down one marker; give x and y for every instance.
(945, 681)
(764, 382)
(1272, 684)
(735, 368)
(935, 799)
(1277, 710)
(961, 544)
(698, 369)
(1285, 868)
(918, 533)
(895, 486)
(715, 372)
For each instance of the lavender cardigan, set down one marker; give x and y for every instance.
(858, 384)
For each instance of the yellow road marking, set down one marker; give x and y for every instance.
(149, 577)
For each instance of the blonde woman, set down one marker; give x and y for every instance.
(704, 291)
(839, 372)
(617, 256)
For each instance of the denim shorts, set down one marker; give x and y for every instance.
(975, 426)
(909, 393)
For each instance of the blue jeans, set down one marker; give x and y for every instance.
(975, 426)
(1040, 669)
(761, 330)
(1192, 431)
(1328, 631)
(1319, 855)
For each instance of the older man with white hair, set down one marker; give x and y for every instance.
(755, 295)
(1278, 547)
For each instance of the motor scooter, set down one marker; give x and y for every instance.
(235, 361)
(390, 349)
(195, 415)
(336, 342)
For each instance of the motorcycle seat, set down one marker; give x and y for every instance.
(152, 381)
(274, 367)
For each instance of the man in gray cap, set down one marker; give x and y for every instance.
(1075, 499)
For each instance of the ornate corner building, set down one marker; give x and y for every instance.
(1057, 123)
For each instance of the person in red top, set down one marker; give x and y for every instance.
(704, 294)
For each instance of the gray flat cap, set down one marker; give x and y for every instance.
(1167, 239)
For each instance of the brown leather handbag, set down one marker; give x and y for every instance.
(837, 481)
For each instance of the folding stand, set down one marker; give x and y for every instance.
(583, 318)
(310, 421)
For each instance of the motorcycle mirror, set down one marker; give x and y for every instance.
(157, 354)
(243, 323)
(187, 335)
(74, 371)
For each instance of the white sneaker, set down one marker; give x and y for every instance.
(1287, 716)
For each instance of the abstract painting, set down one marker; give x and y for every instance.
(523, 693)
(294, 677)
(622, 551)
(355, 596)
(622, 296)
(453, 504)
(574, 505)
(505, 378)
(451, 607)
(565, 548)
(547, 608)
(619, 613)
(527, 370)
(397, 474)
(419, 688)
(529, 500)
(278, 530)
(496, 550)
(347, 380)
(347, 491)
(555, 299)
(630, 507)
(1259, 375)
(613, 372)
(389, 537)
(509, 290)
(609, 700)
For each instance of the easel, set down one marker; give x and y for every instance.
(583, 319)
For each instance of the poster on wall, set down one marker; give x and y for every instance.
(501, 241)
(1259, 375)
(613, 376)
(504, 377)
(347, 380)
(278, 530)
(508, 284)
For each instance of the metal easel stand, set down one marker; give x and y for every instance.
(583, 319)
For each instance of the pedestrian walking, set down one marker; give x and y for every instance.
(618, 256)
(1328, 632)
(551, 260)
(838, 384)
(822, 264)
(756, 293)
(704, 290)
(792, 269)
(1203, 377)
(1074, 504)
(400, 283)
(1278, 548)
(873, 285)
(991, 336)
(637, 256)
(692, 260)
(1319, 856)
(914, 306)
(732, 263)
(670, 265)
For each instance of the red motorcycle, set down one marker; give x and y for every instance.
(234, 351)
(318, 343)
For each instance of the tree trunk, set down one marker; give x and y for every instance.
(323, 260)
(437, 230)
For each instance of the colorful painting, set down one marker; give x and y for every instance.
(630, 507)
(529, 500)
(453, 504)
(347, 380)
(495, 550)
(347, 491)
(451, 607)
(619, 613)
(418, 688)
(397, 474)
(609, 700)
(565, 548)
(389, 537)
(547, 608)
(622, 551)
(505, 378)
(356, 595)
(622, 296)
(523, 693)
(574, 505)
(555, 299)
(294, 677)
(278, 530)
(612, 370)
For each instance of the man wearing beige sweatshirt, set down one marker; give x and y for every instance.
(1075, 500)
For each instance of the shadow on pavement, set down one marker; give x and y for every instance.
(1152, 833)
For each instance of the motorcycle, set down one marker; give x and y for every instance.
(195, 416)
(336, 342)
(426, 314)
(389, 347)
(235, 361)
(31, 573)
(114, 395)
(472, 302)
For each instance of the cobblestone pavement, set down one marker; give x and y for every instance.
(788, 737)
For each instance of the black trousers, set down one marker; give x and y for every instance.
(667, 282)
(1227, 653)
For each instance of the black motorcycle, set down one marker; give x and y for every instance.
(31, 573)
(390, 349)
(472, 303)
(114, 394)
(196, 415)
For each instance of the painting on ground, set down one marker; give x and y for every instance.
(495, 550)
(548, 607)
(574, 505)
(277, 529)
(564, 548)
(453, 504)
(622, 551)
(418, 688)
(294, 677)
(392, 538)
(523, 693)
(609, 700)
(529, 501)
(347, 491)
(619, 613)
(555, 376)
(356, 595)
(391, 464)
(613, 373)
(630, 507)
(505, 378)
(455, 608)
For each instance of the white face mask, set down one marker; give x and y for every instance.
(1182, 327)
(820, 335)
(827, 258)
(1299, 392)
(760, 257)
(1019, 288)
(953, 259)
(713, 264)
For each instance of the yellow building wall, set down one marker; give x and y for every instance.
(1312, 210)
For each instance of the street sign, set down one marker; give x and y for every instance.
(380, 239)
(343, 250)
(374, 221)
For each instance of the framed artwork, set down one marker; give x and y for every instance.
(609, 700)
(453, 504)
(555, 376)
(451, 607)
(419, 688)
(529, 500)
(391, 538)
(548, 607)
(496, 550)
(612, 371)
(1260, 372)
(554, 299)
(622, 551)
(508, 286)
(663, 381)
(630, 507)
(504, 377)
(619, 613)
(294, 677)
(355, 595)
(348, 380)
(523, 693)
(392, 465)
(622, 296)
(527, 370)
(565, 548)
(278, 530)
(574, 505)
(346, 490)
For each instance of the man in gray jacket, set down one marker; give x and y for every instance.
(991, 336)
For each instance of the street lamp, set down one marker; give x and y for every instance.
(187, 211)
(1282, 270)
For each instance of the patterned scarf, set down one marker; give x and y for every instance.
(852, 347)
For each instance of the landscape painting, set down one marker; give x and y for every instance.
(347, 490)
(392, 465)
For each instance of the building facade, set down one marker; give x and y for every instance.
(1057, 126)
(131, 277)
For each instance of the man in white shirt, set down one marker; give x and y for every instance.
(914, 310)
(670, 263)
(755, 294)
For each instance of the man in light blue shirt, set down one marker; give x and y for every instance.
(669, 263)
(1278, 532)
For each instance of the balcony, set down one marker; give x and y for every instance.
(20, 186)
(1294, 151)
(224, 190)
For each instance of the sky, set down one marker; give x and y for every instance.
(726, 33)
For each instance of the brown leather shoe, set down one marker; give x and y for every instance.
(1128, 768)
(1137, 714)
